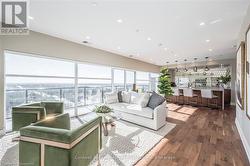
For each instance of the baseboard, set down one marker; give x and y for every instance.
(243, 139)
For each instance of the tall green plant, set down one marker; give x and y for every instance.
(226, 78)
(164, 86)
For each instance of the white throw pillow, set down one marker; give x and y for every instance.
(111, 98)
(134, 97)
(126, 97)
(143, 100)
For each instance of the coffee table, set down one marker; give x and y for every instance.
(108, 119)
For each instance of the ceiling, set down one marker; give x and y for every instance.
(153, 31)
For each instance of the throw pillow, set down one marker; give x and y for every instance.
(119, 96)
(126, 97)
(155, 100)
(144, 99)
(134, 98)
(111, 98)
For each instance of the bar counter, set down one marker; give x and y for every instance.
(224, 96)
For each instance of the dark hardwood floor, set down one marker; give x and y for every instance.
(202, 137)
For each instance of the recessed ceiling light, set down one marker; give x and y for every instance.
(118, 47)
(165, 48)
(85, 42)
(94, 3)
(215, 21)
(119, 20)
(88, 37)
(210, 49)
(207, 40)
(31, 18)
(148, 38)
(202, 23)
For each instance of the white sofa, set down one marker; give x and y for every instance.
(144, 116)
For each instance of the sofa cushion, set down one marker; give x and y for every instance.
(134, 98)
(132, 109)
(144, 99)
(140, 99)
(111, 98)
(155, 100)
(126, 97)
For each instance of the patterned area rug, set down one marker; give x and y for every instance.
(124, 146)
(128, 143)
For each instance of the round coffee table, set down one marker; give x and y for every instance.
(107, 119)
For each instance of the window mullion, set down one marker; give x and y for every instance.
(76, 89)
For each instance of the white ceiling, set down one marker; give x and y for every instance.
(174, 25)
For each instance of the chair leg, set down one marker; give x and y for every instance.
(98, 158)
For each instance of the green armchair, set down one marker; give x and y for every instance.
(50, 142)
(26, 114)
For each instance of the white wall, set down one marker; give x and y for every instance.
(242, 121)
(45, 45)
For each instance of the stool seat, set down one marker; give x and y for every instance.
(189, 94)
(208, 94)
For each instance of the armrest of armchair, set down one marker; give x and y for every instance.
(25, 115)
(88, 127)
(85, 127)
(64, 136)
(53, 107)
(36, 110)
(46, 133)
(61, 121)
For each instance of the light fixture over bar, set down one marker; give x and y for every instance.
(206, 67)
(195, 67)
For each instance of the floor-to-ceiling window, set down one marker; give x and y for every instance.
(31, 78)
(118, 79)
(154, 79)
(142, 81)
(93, 82)
(130, 80)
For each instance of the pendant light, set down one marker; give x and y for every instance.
(195, 67)
(167, 64)
(176, 69)
(206, 67)
(185, 65)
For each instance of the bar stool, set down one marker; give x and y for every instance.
(208, 94)
(189, 94)
(178, 96)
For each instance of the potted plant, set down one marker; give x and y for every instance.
(164, 86)
(103, 110)
(224, 80)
